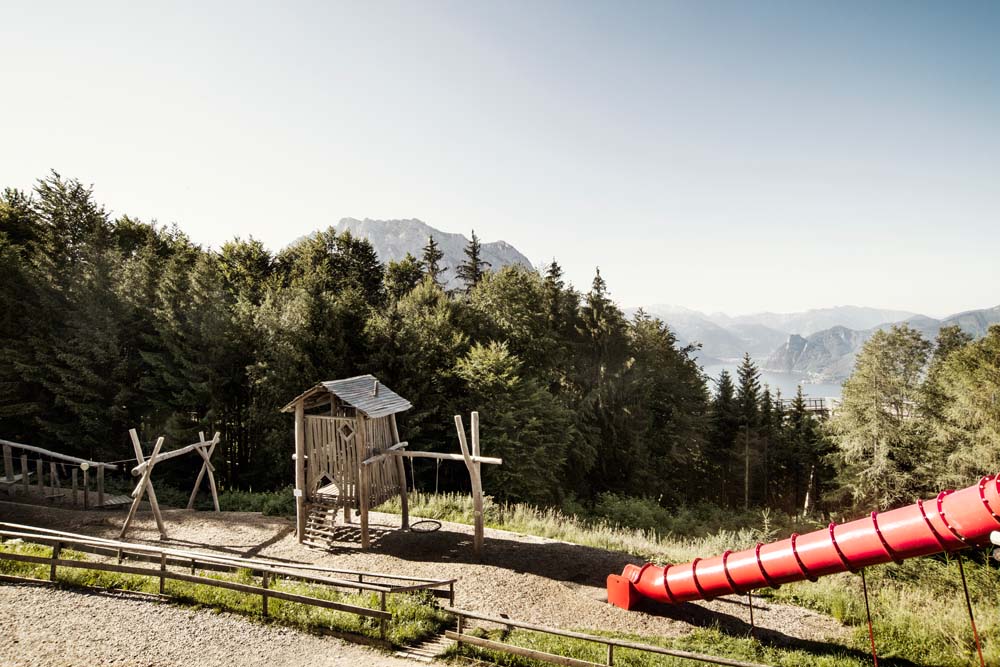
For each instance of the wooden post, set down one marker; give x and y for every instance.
(477, 487)
(8, 464)
(381, 621)
(401, 473)
(100, 486)
(300, 470)
(477, 483)
(73, 477)
(24, 473)
(363, 479)
(263, 593)
(55, 556)
(54, 484)
(163, 568)
(86, 485)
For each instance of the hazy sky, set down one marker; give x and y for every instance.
(724, 156)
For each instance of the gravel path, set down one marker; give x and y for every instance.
(51, 627)
(528, 578)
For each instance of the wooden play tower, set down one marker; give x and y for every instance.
(341, 428)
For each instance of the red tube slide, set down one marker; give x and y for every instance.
(952, 521)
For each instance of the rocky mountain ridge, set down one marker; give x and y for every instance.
(393, 239)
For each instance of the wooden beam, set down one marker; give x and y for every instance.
(361, 438)
(446, 457)
(8, 464)
(137, 470)
(519, 650)
(300, 470)
(384, 454)
(58, 456)
(401, 474)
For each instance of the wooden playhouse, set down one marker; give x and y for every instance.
(344, 430)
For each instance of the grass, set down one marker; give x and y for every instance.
(918, 607)
(702, 640)
(414, 616)
(685, 536)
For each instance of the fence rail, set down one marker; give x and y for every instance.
(610, 644)
(12, 480)
(268, 571)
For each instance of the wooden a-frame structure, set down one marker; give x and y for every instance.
(144, 470)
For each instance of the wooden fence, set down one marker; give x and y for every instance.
(268, 571)
(611, 644)
(49, 462)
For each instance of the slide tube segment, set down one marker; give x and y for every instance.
(954, 520)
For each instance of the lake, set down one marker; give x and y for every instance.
(787, 383)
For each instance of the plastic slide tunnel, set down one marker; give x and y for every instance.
(952, 521)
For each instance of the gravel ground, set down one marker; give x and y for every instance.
(51, 627)
(528, 578)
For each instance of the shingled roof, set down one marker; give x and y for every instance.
(359, 392)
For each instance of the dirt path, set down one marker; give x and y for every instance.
(528, 578)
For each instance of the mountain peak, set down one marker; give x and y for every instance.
(393, 239)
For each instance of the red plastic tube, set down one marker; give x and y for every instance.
(952, 521)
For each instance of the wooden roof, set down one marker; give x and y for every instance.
(359, 392)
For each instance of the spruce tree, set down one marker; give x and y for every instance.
(472, 269)
(747, 397)
(430, 260)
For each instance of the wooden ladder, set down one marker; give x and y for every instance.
(321, 525)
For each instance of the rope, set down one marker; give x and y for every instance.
(968, 604)
(868, 612)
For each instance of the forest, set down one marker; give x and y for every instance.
(111, 323)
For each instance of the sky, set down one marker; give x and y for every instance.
(724, 156)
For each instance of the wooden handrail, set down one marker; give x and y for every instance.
(50, 535)
(607, 641)
(58, 456)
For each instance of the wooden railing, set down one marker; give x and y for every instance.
(611, 644)
(268, 571)
(11, 479)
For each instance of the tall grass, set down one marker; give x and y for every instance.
(918, 607)
(681, 536)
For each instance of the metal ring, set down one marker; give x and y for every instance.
(881, 538)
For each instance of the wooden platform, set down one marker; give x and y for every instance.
(115, 501)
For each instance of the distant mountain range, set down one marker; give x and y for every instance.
(829, 354)
(821, 343)
(392, 239)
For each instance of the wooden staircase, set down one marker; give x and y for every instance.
(429, 649)
(321, 525)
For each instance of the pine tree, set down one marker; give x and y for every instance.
(747, 397)
(431, 261)
(723, 429)
(472, 269)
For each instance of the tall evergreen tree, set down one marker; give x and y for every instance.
(471, 270)
(724, 426)
(430, 260)
(747, 398)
